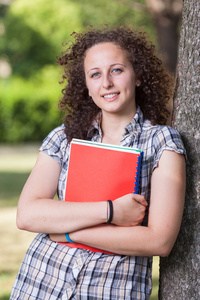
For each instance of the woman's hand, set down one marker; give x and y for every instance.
(129, 210)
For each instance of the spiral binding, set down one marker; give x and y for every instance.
(137, 182)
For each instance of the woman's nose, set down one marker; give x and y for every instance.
(107, 81)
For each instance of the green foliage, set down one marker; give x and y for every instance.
(115, 13)
(34, 32)
(31, 36)
(54, 19)
(28, 109)
(24, 55)
(5, 296)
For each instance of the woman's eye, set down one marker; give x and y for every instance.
(117, 71)
(95, 75)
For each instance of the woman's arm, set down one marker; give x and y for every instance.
(165, 215)
(38, 212)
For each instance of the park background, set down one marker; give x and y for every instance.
(31, 38)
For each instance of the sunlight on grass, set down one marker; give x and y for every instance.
(16, 163)
(155, 275)
(18, 159)
(15, 166)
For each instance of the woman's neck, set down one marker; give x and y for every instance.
(113, 128)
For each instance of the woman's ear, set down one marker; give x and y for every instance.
(89, 94)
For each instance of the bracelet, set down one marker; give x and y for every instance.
(110, 205)
(68, 238)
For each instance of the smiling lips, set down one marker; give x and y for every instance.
(110, 97)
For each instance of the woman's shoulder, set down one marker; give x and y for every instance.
(161, 137)
(56, 136)
(166, 137)
(58, 132)
(55, 144)
(163, 132)
(167, 134)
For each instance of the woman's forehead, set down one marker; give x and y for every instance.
(105, 51)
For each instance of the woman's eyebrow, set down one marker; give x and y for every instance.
(117, 64)
(96, 68)
(112, 65)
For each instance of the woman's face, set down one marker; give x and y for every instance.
(110, 79)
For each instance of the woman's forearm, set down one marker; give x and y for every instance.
(47, 215)
(137, 240)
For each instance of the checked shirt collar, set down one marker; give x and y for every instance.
(130, 132)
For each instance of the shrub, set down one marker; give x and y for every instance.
(28, 109)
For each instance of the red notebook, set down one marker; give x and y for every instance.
(99, 172)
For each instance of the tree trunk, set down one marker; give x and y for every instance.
(166, 15)
(180, 271)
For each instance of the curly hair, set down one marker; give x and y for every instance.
(151, 96)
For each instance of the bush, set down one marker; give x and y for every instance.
(28, 109)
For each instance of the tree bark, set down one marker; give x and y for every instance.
(180, 271)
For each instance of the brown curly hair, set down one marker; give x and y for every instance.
(151, 96)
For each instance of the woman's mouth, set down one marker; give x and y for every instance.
(110, 97)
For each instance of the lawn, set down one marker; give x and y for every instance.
(15, 166)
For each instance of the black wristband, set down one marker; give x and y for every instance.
(110, 211)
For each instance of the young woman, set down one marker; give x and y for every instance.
(116, 92)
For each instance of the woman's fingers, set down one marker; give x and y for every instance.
(129, 210)
(140, 199)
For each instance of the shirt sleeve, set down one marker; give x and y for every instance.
(167, 138)
(55, 144)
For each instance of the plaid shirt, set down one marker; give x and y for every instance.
(53, 271)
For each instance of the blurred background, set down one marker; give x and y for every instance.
(31, 37)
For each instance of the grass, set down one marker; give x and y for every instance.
(11, 183)
(15, 166)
